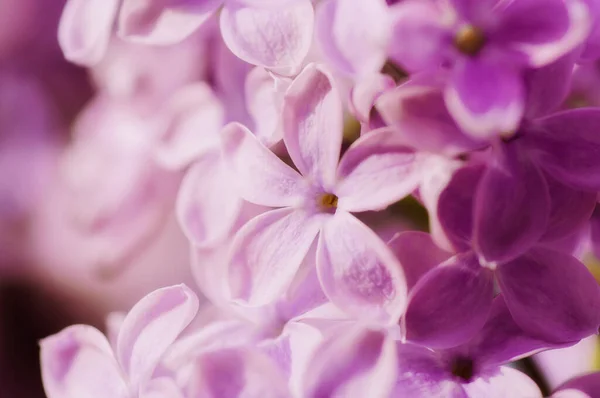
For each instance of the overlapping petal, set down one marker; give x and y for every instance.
(439, 314)
(358, 272)
(512, 207)
(208, 205)
(85, 29)
(354, 35)
(312, 125)
(376, 171)
(78, 362)
(260, 176)
(267, 252)
(270, 37)
(150, 328)
(163, 21)
(551, 295)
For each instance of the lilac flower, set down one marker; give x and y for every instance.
(486, 45)
(357, 271)
(79, 361)
(359, 362)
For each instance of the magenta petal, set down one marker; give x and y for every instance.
(455, 206)
(501, 340)
(267, 252)
(417, 253)
(570, 210)
(78, 362)
(544, 30)
(551, 295)
(151, 327)
(365, 92)
(376, 171)
(485, 98)
(208, 205)
(354, 364)
(595, 231)
(358, 272)
(548, 87)
(512, 206)
(313, 124)
(260, 176)
(450, 303)
(418, 113)
(567, 147)
(354, 34)
(163, 21)
(270, 37)
(420, 37)
(85, 29)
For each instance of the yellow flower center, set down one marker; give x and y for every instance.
(327, 201)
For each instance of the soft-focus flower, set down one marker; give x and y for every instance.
(487, 45)
(356, 269)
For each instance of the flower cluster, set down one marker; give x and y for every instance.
(283, 134)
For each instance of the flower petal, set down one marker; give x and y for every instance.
(195, 118)
(418, 254)
(512, 206)
(237, 372)
(264, 100)
(354, 364)
(267, 251)
(570, 210)
(313, 124)
(450, 303)
(85, 29)
(163, 21)
(79, 362)
(501, 340)
(485, 98)
(551, 295)
(544, 30)
(354, 34)
(421, 38)
(260, 176)
(567, 147)
(208, 205)
(549, 86)
(270, 37)
(151, 327)
(418, 113)
(455, 206)
(376, 171)
(358, 272)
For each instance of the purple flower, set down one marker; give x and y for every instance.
(357, 362)
(586, 386)
(357, 271)
(486, 45)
